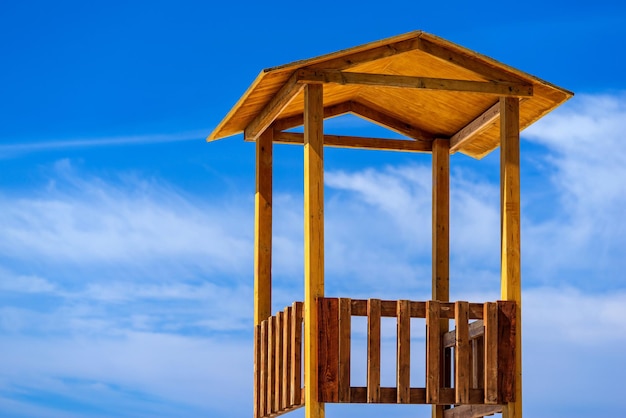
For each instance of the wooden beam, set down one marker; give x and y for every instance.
(341, 141)
(263, 228)
(462, 371)
(313, 241)
(373, 351)
(511, 288)
(345, 327)
(483, 122)
(403, 352)
(500, 88)
(361, 57)
(433, 353)
(441, 239)
(472, 411)
(466, 61)
(272, 109)
(298, 120)
(372, 113)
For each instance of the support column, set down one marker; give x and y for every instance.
(510, 283)
(313, 241)
(262, 250)
(441, 241)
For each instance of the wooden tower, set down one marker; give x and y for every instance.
(444, 99)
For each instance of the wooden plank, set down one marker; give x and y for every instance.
(357, 142)
(475, 330)
(271, 359)
(491, 353)
(278, 364)
(462, 369)
(375, 114)
(466, 61)
(296, 354)
(403, 355)
(313, 241)
(328, 346)
(506, 350)
(345, 330)
(373, 350)
(257, 371)
(510, 236)
(272, 109)
(440, 263)
(433, 352)
(483, 122)
(286, 377)
(263, 229)
(441, 221)
(476, 310)
(478, 362)
(298, 120)
(499, 88)
(472, 411)
(263, 406)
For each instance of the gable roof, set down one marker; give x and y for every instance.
(417, 84)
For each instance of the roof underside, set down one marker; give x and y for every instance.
(418, 87)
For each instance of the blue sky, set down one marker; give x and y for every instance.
(126, 243)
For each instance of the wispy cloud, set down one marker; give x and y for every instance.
(11, 150)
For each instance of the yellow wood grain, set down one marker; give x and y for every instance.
(511, 288)
(313, 241)
(263, 229)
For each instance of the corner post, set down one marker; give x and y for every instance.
(510, 218)
(441, 241)
(313, 241)
(262, 250)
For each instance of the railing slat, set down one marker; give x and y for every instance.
(403, 355)
(286, 395)
(506, 350)
(373, 350)
(271, 371)
(263, 410)
(478, 362)
(296, 354)
(462, 371)
(345, 329)
(278, 364)
(433, 351)
(491, 353)
(328, 350)
(257, 370)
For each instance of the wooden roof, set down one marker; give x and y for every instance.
(417, 84)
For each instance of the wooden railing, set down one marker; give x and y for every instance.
(483, 356)
(471, 367)
(278, 363)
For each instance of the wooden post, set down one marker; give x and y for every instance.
(262, 247)
(441, 236)
(313, 241)
(510, 232)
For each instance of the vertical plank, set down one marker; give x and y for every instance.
(373, 350)
(441, 243)
(491, 352)
(433, 351)
(313, 240)
(478, 363)
(286, 378)
(263, 410)
(462, 367)
(271, 358)
(403, 355)
(257, 371)
(345, 329)
(511, 231)
(263, 228)
(328, 345)
(278, 364)
(296, 354)
(506, 350)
